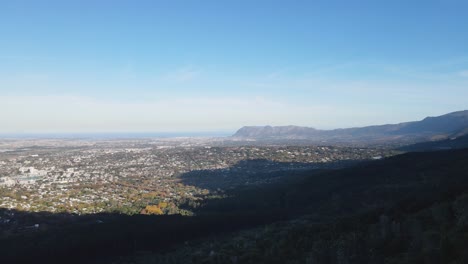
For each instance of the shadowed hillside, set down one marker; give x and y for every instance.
(452, 143)
(358, 197)
(407, 209)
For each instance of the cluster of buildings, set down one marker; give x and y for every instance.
(128, 175)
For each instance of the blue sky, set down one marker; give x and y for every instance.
(141, 66)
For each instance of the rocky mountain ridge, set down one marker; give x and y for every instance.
(430, 128)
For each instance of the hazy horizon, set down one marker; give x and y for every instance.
(155, 134)
(114, 135)
(113, 66)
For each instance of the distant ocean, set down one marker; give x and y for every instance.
(119, 135)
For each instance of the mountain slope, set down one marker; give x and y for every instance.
(410, 208)
(452, 143)
(430, 128)
(396, 208)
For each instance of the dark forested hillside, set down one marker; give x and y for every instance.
(452, 143)
(409, 208)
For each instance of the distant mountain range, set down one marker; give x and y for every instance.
(447, 126)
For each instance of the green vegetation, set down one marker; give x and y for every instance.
(409, 208)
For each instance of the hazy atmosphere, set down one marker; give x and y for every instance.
(233, 132)
(112, 66)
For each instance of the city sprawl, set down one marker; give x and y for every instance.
(150, 176)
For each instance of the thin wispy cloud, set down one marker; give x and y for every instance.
(463, 73)
(195, 68)
(184, 74)
(128, 71)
